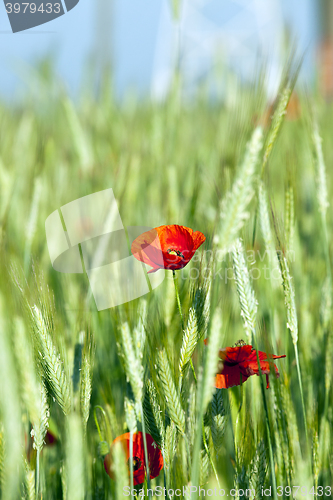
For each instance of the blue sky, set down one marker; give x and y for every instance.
(141, 37)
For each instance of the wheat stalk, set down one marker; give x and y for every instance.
(85, 391)
(205, 391)
(133, 366)
(171, 395)
(119, 469)
(191, 419)
(321, 177)
(197, 325)
(315, 456)
(219, 419)
(204, 467)
(267, 234)
(10, 413)
(26, 367)
(258, 468)
(323, 204)
(41, 424)
(326, 302)
(32, 221)
(139, 333)
(170, 446)
(51, 361)
(290, 218)
(152, 413)
(2, 457)
(75, 476)
(130, 415)
(234, 206)
(277, 120)
(30, 483)
(247, 299)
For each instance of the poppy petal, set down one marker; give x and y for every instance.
(250, 366)
(167, 247)
(155, 457)
(229, 377)
(198, 239)
(147, 248)
(263, 356)
(239, 363)
(235, 355)
(174, 235)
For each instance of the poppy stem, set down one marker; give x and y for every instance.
(238, 415)
(268, 427)
(181, 315)
(177, 297)
(241, 393)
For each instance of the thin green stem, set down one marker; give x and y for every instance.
(182, 319)
(131, 461)
(37, 474)
(327, 253)
(145, 448)
(203, 437)
(268, 428)
(301, 391)
(164, 478)
(238, 415)
(175, 281)
(195, 379)
(96, 421)
(241, 393)
(187, 449)
(208, 454)
(329, 273)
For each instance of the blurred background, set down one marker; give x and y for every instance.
(143, 41)
(157, 99)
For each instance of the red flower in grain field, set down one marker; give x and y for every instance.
(155, 458)
(239, 363)
(167, 247)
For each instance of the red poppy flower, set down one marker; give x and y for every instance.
(239, 363)
(167, 247)
(155, 458)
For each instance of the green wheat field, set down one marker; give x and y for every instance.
(254, 176)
